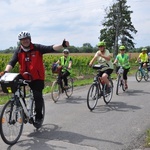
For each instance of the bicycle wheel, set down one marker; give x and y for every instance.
(146, 76)
(118, 84)
(11, 122)
(92, 96)
(138, 75)
(108, 92)
(34, 114)
(69, 90)
(55, 94)
(123, 85)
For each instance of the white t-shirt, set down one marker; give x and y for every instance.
(103, 61)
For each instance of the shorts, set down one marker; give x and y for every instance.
(108, 72)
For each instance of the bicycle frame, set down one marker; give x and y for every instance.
(99, 83)
(120, 73)
(120, 80)
(19, 95)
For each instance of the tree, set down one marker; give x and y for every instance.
(118, 26)
(86, 48)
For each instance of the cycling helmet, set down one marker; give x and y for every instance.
(122, 47)
(102, 43)
(24, 34)
(144, 49)
(65, 50)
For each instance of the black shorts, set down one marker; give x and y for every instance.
(108, 72)
(143, 63)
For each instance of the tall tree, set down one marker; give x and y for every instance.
(118, 26)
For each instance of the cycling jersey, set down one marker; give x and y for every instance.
(103, 61)
(143, 57)
(65, 62)
(123, 60)
(31, 61)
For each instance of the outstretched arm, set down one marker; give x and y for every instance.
(63, 45)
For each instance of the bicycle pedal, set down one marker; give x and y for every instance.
(31, 121)
(25, 121)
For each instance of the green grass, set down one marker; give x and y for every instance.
(4, 99)
(147, 139)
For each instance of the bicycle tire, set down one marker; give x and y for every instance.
(146, 76)
(107, 96)
(69, 90)
(11, 118)
(55, 93)
(92, 96)
(138, 76)
(123, 85)
(34, 113)
(118, 84)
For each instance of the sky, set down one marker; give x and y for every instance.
(78, 21)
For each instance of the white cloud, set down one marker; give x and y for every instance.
(50, 21)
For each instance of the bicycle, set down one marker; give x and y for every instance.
(141, 73)
(120, 80)
(57, 88)
(19, 109)
(98, 89)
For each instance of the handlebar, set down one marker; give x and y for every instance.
(99, 67)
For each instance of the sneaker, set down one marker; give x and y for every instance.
(38, 123)
(66, 87)
(126, 86)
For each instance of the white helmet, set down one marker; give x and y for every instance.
(149, 54)
(66, 50)
(24, 34)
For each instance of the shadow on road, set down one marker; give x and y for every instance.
(133, 92)
(72, 100)
(47, 137)
(115, 106)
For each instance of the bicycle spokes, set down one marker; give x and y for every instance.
(11, 125)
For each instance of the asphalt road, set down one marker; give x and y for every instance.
(69, 125)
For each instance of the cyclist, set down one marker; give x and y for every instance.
(103, 57)
(122, 59)
(149, 57)
(66, 62)
(143, 58)
(30, 59)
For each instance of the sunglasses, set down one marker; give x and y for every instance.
(100, 46)
(66, 53)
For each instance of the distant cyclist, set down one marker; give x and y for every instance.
(103, 57)
(66, 62)
(143, 58)
(149, 57)
(122, 59)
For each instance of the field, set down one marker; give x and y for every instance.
(133, 55)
